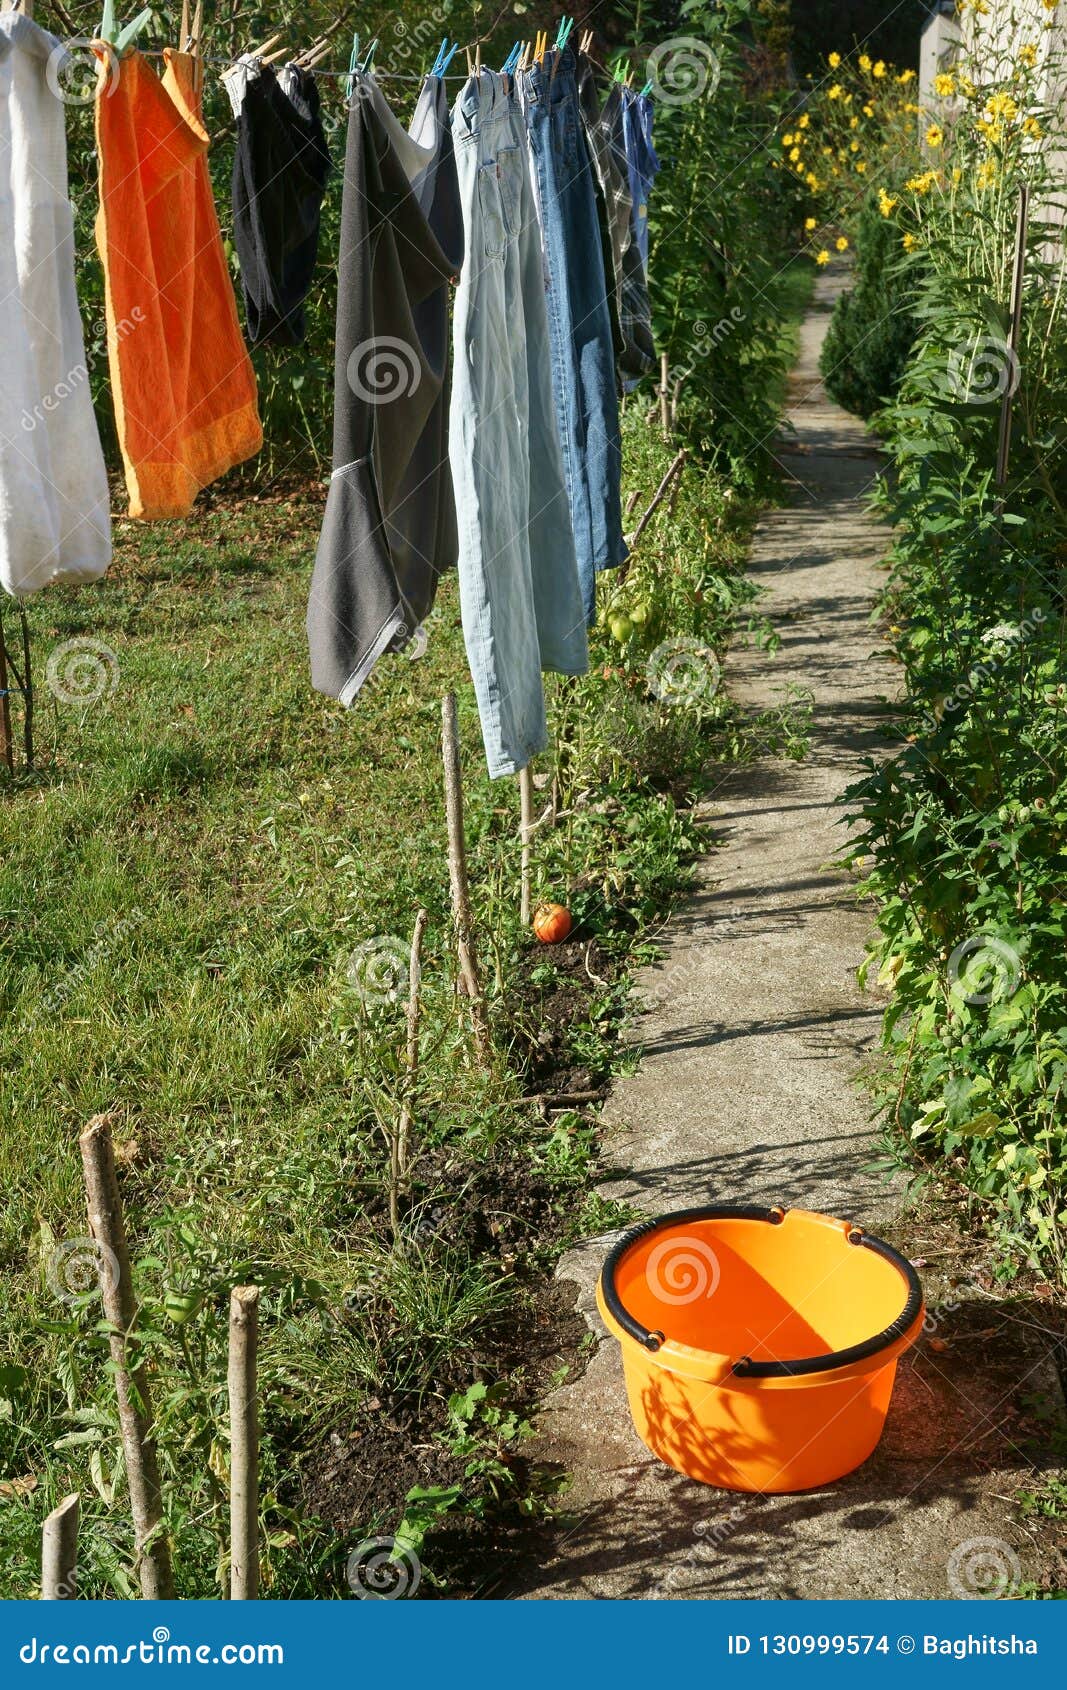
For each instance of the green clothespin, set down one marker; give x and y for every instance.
(353, 66)
(563, 33)
(368, 59)
(122, 39)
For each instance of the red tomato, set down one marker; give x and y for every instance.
(551, 923)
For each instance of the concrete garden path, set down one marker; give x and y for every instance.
(755, 1033)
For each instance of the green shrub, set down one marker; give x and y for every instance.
(873, 328)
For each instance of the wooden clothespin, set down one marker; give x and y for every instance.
(478, 59)
(470, 61)
(586, 41)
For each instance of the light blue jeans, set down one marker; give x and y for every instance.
(518, 575)
(579, 317)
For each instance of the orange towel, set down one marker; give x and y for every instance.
(182, 382)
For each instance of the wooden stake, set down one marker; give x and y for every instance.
(244, 1444)
(675, 467)
(59, 1552)
(403, 1147)
(7, 745)
(131, 1382)
(664, 395)
(457, 874)
(1014, 333)
(526, 832)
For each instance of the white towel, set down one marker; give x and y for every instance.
(54, 518)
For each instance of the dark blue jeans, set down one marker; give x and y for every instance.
(579, 318)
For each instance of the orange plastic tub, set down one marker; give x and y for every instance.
(759, 1345)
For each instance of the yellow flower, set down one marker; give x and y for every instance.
(868, 111)
(834, 60)
(944, 84)
(822, 257)
(1050, 5)
(853, 122)
(835, 92)
(813, 181)
(910, 242)
(934, 135)
(921, 184)
(1002, 105)
(987, 174)
(865, 61)
(794, 154)
(957, 176)
(804, 121)
(787, 140)
(1028, 56)
(810, 223)
(991, 131)
(861, 167)
(886, 202)
(912, 111)
(853, 146)
(1033, 129)
(841, 243)
(905, 77)
(967, 88)
(879, 69)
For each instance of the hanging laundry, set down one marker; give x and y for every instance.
(54, 522)
(182, 382)
(631, 311)
(279, 176)
(390, 523)
(583, 353)
(518, 574)
(641, 160)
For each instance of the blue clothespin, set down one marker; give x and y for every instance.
(353, 66)
(508, 67)
(444, 57)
